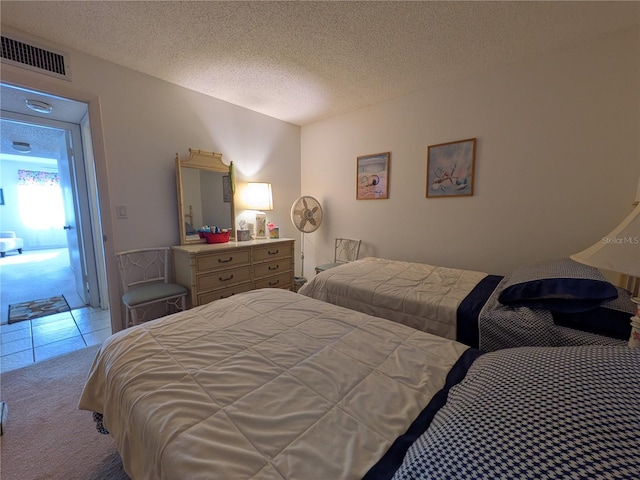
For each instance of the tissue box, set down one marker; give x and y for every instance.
(243, 235)
(274, 233)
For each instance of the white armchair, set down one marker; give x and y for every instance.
(9, 242)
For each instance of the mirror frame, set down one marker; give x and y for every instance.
(204, 161)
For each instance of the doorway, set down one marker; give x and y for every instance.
(62, 219)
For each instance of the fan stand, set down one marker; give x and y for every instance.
(301, 280)
(302, 257)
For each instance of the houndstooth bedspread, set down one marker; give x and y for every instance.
(421, 296)
(266, 384)
(537, 413)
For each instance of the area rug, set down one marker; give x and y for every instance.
(37, 308)
(46, 436)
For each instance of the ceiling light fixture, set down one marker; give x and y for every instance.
(23, 147)
(38, 106)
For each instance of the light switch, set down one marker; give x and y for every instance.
(121, 211)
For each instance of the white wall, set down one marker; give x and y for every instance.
(147, 121)
(557, 162)
(139, 123)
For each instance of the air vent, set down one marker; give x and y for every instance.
(32, 57)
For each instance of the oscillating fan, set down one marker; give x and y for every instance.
(306, 215)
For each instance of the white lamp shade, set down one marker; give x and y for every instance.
(258, 196)
(619, 251)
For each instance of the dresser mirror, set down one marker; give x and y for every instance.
(205, 194)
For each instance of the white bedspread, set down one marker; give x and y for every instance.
(266, 384)
(415, 294)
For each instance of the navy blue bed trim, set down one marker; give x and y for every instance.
(600, 321)
(469, 310)
(386, 467)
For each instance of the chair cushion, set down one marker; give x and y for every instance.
(327, 266)
(149, 293)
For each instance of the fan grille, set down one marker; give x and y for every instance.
(306, 214)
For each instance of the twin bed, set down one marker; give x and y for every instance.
(553, 303)
(271, 384)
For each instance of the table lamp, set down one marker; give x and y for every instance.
(619, 251)
(258, 197)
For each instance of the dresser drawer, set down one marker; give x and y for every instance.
(223, 278)
(215, 271)
(274, 267)
(271, 252)
(277, 281)
(224, 293)
(212, 261)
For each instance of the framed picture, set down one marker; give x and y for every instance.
(373, 176)
(226, 188)
(450, 168)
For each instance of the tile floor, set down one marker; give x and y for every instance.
(29, 341)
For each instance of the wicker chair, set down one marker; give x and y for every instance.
(145, 280)
(346, 250)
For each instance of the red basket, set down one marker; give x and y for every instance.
(217, 237)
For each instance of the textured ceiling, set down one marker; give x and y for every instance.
(305, 61)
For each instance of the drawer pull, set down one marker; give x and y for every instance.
(226, 279)
(275, 267)
(273, 253)
(271, 284)
(225, 261)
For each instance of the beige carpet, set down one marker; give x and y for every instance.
(46, 436)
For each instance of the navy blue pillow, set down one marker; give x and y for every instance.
(559, 285)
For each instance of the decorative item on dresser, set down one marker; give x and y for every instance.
(215, 271)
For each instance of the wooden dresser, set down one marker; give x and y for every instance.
(219, 270)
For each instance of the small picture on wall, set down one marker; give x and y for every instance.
(450, 168)
(373, 176)
(226, 188)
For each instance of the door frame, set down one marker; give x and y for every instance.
(21, 78)
(87, 281)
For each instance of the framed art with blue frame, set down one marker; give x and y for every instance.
(372, 176)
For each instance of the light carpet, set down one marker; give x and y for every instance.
(37, 308)
(36, 274)
(46, 436)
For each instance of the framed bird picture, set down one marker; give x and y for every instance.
(450, 168)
